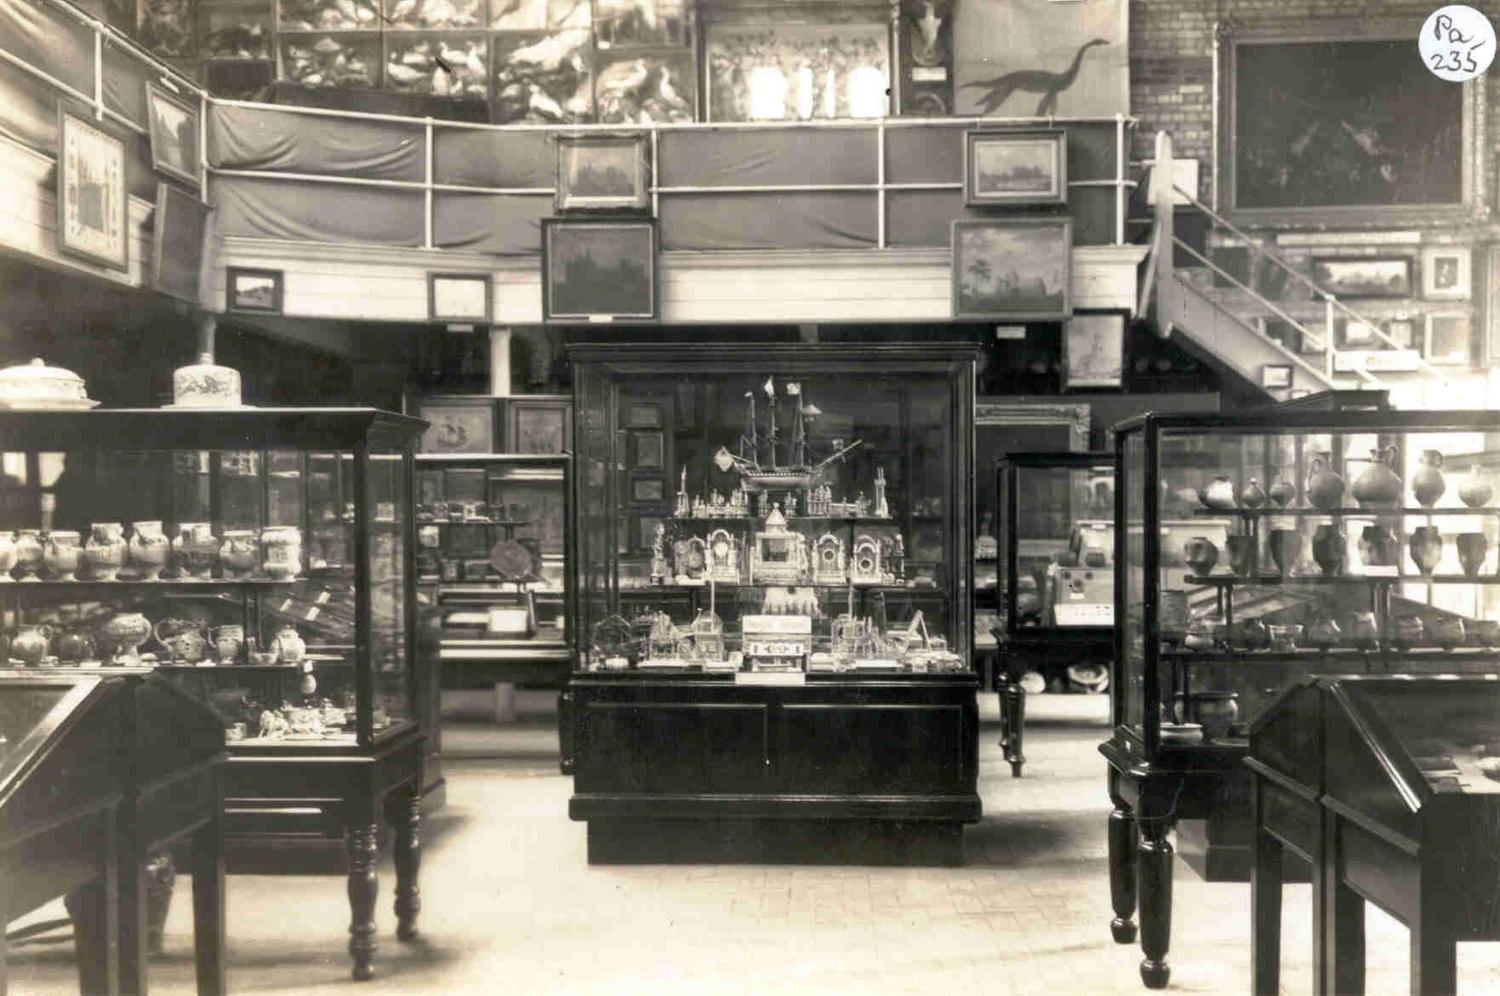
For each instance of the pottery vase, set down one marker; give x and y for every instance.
(1286, 547)
(1282, 493)
(183, 641)
(240, 554)
(75, 647)
(1325, 488)
(29, 553)
(1241, 551)
(60, 555)
(1485, 633)
(1402, 632)
(7, 556)
(1252, 495)
(1378, 547)
(194, 550)
(1446, 631)
(1285, 638)
(124, 634)
(1201, 634)
(289, 646)
(1330, 549)
(1426, 548)
(281, 552)
(31, 644)
(1324, 634)
(1427, 484)
(1474, 492)
(105, 551)
(149, 549)
(1378, 486)
(228, 642)
(1218, 495)
(1361, 631)
(1214, 711)
(1472, 549)
(1201, 555)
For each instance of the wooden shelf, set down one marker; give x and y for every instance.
(1278, 580)
(1337, 513)
(1382, 654)
(137, 585)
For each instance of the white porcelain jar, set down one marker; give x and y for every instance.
(205, 384)
(35, 386)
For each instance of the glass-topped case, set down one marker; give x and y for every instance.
(1318, 542)
(261, 558)
(29, 711)
(774, 508)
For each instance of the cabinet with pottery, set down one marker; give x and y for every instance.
(1325, 543)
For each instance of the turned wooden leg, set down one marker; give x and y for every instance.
(1265, 910)
(362, 842)
(209, 943)
(1154, 868)
(1013, 704)
(1123, 842)
(407, 820)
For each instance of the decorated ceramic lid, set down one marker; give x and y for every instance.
(37, 386)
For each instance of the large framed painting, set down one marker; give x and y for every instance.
(599, 270)
(1002, 168)
(603, 172)
(457, 424)
(92, 222)
(174, 134)
(1337, 125)
(1012, 268)
(1364, 276)
(179, 231)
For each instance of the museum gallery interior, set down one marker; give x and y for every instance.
(733, 496)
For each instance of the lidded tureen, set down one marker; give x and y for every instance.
(35, 386)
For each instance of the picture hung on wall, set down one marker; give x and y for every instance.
(648, 489)
(179, 230)
(459, 297)
(1015, 167)
(544, 77)
(1402, 331)
(458, 425)
(636, 86)
(1013, 268)
(1034, 59)
(1094, 350)
(535, 426)
(91, 192)
(1348, 124)
(1447, 273)
(797, 72)
(603, 172)
(1448, 340)
(1353, 332)
(253, 290)
(174, 134)
(599, 269)
(1275, 376)
(1368, 276)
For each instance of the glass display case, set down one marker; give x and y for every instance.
(1056, 548)
(261, 559)
(778, 531)
(1331, 541)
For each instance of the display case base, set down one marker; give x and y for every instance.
(831, 842)
(1227, 860)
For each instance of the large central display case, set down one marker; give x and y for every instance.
(775, 566)
(1323, 542)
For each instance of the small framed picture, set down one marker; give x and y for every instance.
(253, 290)
(1015, 167)
(1275, 376)
(1012, 268)
(1094, 350)
(645, 532)
(174, 134)
(603, 173)
(458, 424)
(539, 425)
(648, 489)
(179, 230)
(599, 270)
(1364, 276)
(1447, 273)
(458, 297)
(643, 415)
(1403, 332)
(91, 192)
(1353, 332)
(649, 450)
(1449, 340)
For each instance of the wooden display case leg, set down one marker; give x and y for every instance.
(1434, 966)
(1123, 843)
(361, 839)
(1342, 972)
(132, 923)
(94, 910)
(1154, 867)
(1265, 912)
(209, 932)
(406, 817)
(1013, 705)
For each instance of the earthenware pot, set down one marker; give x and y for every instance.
(1330, 549)
(1200, 554)
(1325, 488)
(74, 647)
(1485, 633)
(1361, 631)
(1427, 484)
(124, 634)
(289, 646)
(1446, 631)
(60, 554)
(1282, 493)
(1218, 494)
(106, 550)
(1249, 634)
(240, 554)
(1426, 548)
(1474, 492)
(228, 641)
(1285, 638)
(7, 556)
(1378, 547)
(1214, 711)
(1286, 547)
(194, 550)
(1472, 549)
(29, 553)
(281, 548)
(149, 548)
(183, 640)
(1378, 486)
(1201, 634)
(1324, 634)
(1402, 632)
(1252, 495)
(1241, 554)
(31, 644)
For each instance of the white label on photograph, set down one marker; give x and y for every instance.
(1010, 332)
(929, 74)
(1457, 43)
(601, 319)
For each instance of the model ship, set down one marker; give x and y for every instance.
(796, 475)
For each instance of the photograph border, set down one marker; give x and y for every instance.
(1465, 289)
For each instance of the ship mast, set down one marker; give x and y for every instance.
(751, 439)
(799, 428)
(770, 388)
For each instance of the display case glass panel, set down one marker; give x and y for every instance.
(25, 707)
(1450, 730)
(1059, 511)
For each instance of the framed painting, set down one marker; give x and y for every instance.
(1353, 333)
(1447, 273)
(599, 270)
(1403, 332)
(178, 232)
(1364, 276)
(650, 450)
(459, 297)
(539, 425)
(1012, 268)
(174, 134)
(1003, 168)
(253, 290)
(1276, 376)
(1094, 351)
(1449, 340)
(457, 424)
(603, 173)
(648, 489)
(92, 223)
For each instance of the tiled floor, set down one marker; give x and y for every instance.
(512, 906)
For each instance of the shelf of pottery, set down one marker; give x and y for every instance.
(1405, 568)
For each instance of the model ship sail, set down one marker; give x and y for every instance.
(799, 474)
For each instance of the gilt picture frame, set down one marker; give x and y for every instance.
(1006, 168)
(1012, 268)
(603, 173)
(457, 424)
(600, 270)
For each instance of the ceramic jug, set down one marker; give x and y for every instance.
(289, 646)
(1252, 495)
(1217, 494)
(1472, 549)
(1286, 547)
(31, 644)
(1426, 547)
(1378, 486)
(1427, 484)
(1325, 489)
(1329, 549)
(182, 639)
(195, 550)
(1200, 554)
(149, 549)
(1241, 554)
(105, 550)
(1474, 492)
(74, 647)
(1378, 547)
(60, 554)
(29, 553)
(240, 554)
(1282, 493)
(1324, 634)
(7, 556)
(228, 641)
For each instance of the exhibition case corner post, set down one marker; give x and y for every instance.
(364, 688)
(1150, 595)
